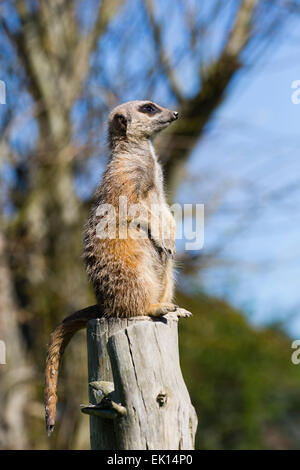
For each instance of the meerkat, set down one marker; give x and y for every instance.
(133, 274)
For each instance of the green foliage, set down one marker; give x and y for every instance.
(241, 379)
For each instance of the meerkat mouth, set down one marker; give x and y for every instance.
(165, 123)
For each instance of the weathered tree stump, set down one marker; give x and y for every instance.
(138, 396)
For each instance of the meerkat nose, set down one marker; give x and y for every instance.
(175, 115)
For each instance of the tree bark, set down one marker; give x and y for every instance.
(140, 355)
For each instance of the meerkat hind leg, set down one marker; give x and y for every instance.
(183, 313)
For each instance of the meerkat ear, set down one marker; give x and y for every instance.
(120, 123)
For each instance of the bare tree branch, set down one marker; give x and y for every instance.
(161, 53)
(197, 111)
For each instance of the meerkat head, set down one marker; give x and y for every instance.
(139, 120)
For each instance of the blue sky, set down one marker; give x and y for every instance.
(254, 144)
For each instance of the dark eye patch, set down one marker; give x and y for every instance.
(149, 108)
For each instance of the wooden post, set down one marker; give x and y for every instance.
(138, 396)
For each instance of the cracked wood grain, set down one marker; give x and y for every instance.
(141, 357)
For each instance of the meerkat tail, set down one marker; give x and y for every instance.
(59, 339)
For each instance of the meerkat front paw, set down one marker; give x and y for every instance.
(158, 310)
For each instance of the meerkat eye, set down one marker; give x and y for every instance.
(149, 108)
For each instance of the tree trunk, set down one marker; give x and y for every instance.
(148, 403)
